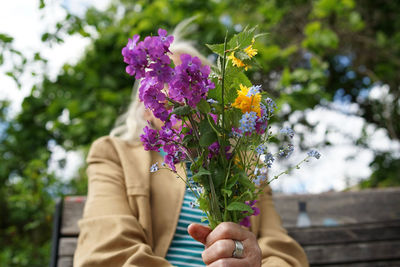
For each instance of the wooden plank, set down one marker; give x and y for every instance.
(366, 206)
(346, 234)
(354, 252)
(67, 246)
(72, 212)
(65, 262)
(372, 205)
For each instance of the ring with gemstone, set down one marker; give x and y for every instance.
(238, 251)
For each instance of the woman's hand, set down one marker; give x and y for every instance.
(219, 245)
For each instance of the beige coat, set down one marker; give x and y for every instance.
(131, 214)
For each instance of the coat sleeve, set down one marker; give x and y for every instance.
(110, 233)
(277, 247)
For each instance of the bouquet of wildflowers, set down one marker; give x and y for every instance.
(214, 118)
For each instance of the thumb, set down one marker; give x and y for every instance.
(199, 232)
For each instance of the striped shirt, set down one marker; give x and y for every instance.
(184, 251)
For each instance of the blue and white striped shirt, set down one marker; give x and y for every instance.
(184, 250)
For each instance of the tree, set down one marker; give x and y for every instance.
(315, 50)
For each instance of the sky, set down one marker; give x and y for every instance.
(341, 165)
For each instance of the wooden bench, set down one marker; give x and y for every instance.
(366, 229)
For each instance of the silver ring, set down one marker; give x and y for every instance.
(238, 251)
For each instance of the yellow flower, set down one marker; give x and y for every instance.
(250, 51)
(237, 62)
(237, 162)
(247, 103)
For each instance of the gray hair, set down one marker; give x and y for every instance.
(129, 126)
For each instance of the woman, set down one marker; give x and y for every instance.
(133, 217)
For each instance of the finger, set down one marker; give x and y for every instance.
(220, 249)
(227, 230)
(199, 232)
(229, 262)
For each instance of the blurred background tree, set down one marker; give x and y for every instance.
(316, 52)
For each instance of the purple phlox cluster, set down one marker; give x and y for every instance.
(166, 138)
(255, 89)
(270, 105)
(150, 92)
(287, 151)
(149, 56)
(214, 149)
(268, 160)
(248, 122)
(260, 149)
(314, 153)
(190, 83)
(246, 220)
(154, 167)
(261, 175)
(149, 60)
(287, 131)
(150, 139)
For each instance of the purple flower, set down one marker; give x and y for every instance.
(165, 40)
(161, 71)
(190, 83)
(213, 150)
(150, 139)
(246, 220)
(153, 98)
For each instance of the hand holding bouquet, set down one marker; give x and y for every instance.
(214, 118)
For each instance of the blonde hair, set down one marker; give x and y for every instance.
(129, 126)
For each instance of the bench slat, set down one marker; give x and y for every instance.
(365, 206)
(372, 205)
(72, 213)
(354, 252)
(319, 255)
(347, 234)
(67, 246)
(65, 262)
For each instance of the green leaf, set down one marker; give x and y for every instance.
(242, 39)
(182, 111)
(203, 106)
(239, 206)
(226, 192)
(207, 139)
(217, 48)
(201, 172)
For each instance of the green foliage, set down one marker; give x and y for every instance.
(299, 63)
